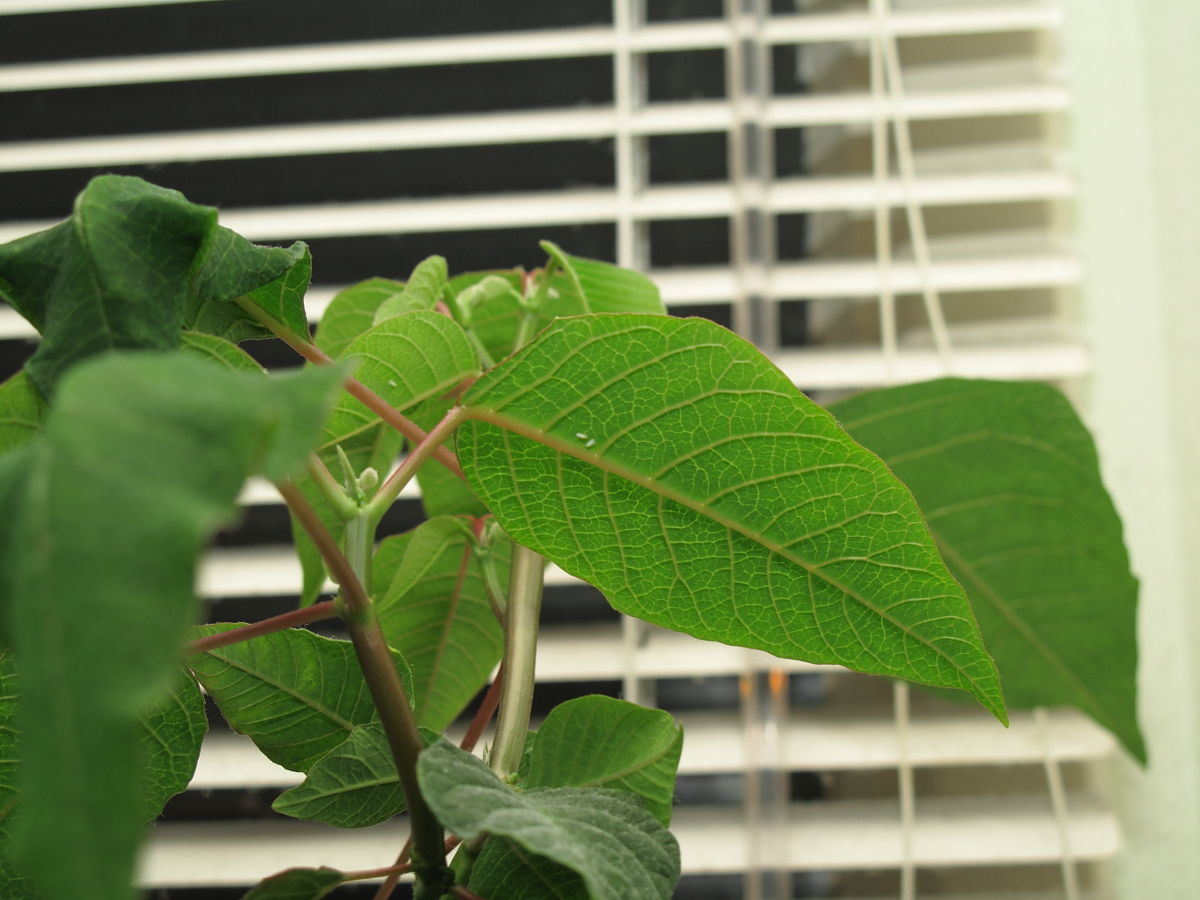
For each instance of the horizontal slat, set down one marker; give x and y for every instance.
(481, 129)
(662, 203)
(843, 835)
(865, 835)
(271, 571)
(847, 368)
(823, 280)
(21, 7)
(813, 740)
(522, 45)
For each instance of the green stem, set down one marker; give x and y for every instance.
(379, 671)
(314, 613)
(520, 654)
(430, 444)
(330, 489)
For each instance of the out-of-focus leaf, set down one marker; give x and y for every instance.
(140, 459)
(1009, 482)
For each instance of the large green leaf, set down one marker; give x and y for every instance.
(297, 884)
(1008, 479)
(352, 311)
(171, 734)
(116, 275)
(603, 742)
(296, 694)
(503, 869)
(140, 459)
(669, 463)
(606, 837)
(21, 411)
(408, 359)
(433, 606)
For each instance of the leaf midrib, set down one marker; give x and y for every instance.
(560, 445)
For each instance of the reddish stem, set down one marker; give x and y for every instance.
(484, 714)
(463, 894)
(295, 617)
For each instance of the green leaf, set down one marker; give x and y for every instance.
(352, 311)
(421, 292)
(274, 278)
(503, 869)
(296, 694)
(141, 458)
(613, 289)
(618, 849)
(445, 494)
(13, 884)
(433, 606)
(355, 786)
(408, 359)
(602, 742)
(283, 298)
(1009, 482)
(297, 884)
(171, 734)
(21, 411)
(669, 463)
(116, 275)
(494, 315)
(218, 350)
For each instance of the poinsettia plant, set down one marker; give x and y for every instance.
(554, 415)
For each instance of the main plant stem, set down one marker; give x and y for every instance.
(375, 659)
(520, 653)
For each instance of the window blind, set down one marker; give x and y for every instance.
(872, 191)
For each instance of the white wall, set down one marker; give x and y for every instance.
(1135, 141)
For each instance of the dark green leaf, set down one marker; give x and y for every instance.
(607, 837)
(283, 298)
(218, 350)
(297, 884)
(408, 360)
(352, 311)
(433, 606)
(1008, 479)
(603, 742)
(355, 786)
(504, 869)
(669, 463)
(116, 275)
(12, 884)
(421, 292)
(274, 278)
(296, 694)
(141, 458)
(171, 734)
(21, 411)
